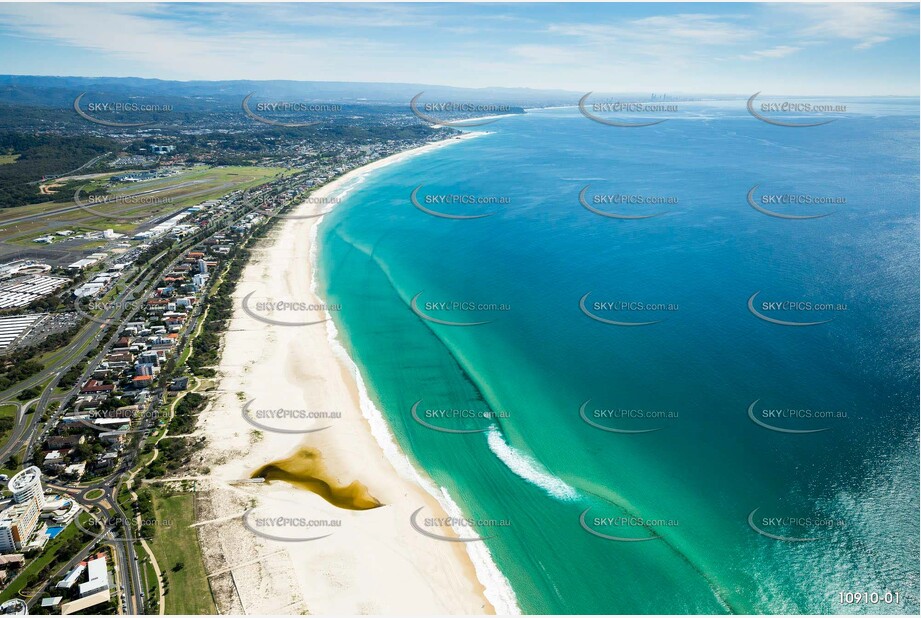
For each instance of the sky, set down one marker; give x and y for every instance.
(843, 49)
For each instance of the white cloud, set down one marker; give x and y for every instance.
(184, 50)
(463, 45)
(774, 52)
(656, 35)
(866, 25)
(548, 54)
(869, 42)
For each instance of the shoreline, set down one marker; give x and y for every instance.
(373, 562)
(455, 124)
(497, 588)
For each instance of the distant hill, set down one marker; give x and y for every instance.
(41, 91)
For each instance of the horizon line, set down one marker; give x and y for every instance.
(472, 88)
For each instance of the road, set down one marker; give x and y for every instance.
(69, 356)
(59, 574)
(130, 573)
(139, 286)
(128, 563)
(74, 171)
(90, 332)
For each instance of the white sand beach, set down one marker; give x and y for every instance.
(373, 562)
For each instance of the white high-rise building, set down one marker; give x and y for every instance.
(17, 523)
(27, 485)
(8, 536)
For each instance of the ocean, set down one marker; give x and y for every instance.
(705, 408)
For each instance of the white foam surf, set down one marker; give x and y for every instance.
(496, 587)
(529, 469)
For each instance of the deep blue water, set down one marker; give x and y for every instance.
(693, 374)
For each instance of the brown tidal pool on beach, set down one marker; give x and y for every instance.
(304, 469)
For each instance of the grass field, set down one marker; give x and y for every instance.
(7, 421)
(8, 158)
(94, 494)
(151, 199)
(189, 591)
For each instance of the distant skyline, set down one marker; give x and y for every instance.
(833, 49)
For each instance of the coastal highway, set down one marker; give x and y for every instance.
(25, 426)
(21, 430)
(63, 359)
(73, 351)
(133, 579)
(140, 286)
(130, 565)
(131, 575)
(88, 334)
(125, 559)
(119, 537)
(71, 354)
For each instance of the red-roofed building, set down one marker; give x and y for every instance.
(95, 386)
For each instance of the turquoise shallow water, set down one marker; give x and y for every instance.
(691, 486)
